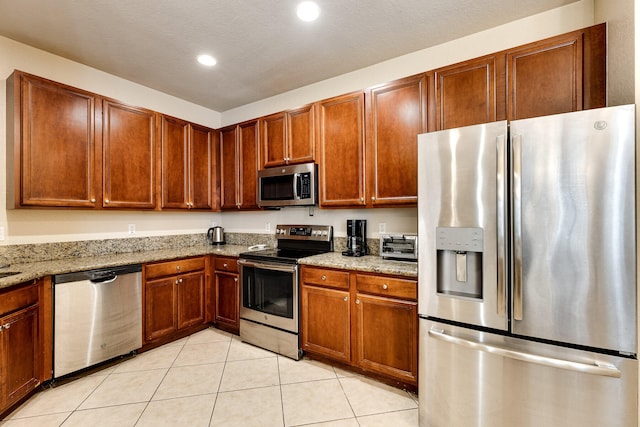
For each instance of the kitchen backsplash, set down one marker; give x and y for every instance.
(16, 254)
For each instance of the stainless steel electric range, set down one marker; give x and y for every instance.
(269, 309)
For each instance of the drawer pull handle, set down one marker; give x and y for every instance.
(385, 287)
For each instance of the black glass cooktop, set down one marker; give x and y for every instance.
(288, 256)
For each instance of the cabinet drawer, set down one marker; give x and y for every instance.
(387, 286)
(227, 264)
(17, 298)
(328, 278)
(174, 267)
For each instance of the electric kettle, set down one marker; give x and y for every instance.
(215, 235)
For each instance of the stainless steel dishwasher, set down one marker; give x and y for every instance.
(97, 317)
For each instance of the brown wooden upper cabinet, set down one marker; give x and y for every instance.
(381, 169)
(395, 114)
(129, 139)
(341, 151)
(558, 75)
(53, 144)
(239, 166)
(467, 93)
(188, 163)
(287, 137)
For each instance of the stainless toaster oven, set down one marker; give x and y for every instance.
(399, 246)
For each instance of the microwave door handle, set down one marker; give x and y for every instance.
(296, 186)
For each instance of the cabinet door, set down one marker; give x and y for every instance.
(301, 134)
(190, 299)
(229, 178)
(341, 150)
(174, 157)
(325, 322)
(387, 335)
(273, 140)
(160, 308)
(202, 167)
(469, 93)
(248, 165)
(396, 114)
(56, 146)
(227, 310)
(558, 75)
(19, 359)
(129, 156)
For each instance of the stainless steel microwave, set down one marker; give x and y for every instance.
(293, 185)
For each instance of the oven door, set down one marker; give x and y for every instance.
(269, 294)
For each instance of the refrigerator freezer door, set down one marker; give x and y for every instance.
(471, 378)
(462, 224)
(574, 274)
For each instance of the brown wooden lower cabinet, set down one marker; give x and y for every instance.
(24, 359)
(227, 294)
(174, 297)
(387, 331)
(366, 321)
(326, 322)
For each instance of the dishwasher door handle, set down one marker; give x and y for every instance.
(104, 280)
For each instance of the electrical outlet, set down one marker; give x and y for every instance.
(382, 227)
(132, 229)
(267, 226)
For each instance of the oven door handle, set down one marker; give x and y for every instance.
(269, 266)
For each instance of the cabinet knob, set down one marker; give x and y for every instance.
(235, 279)
(6, 325)
(362, 199)
(385, 287)
(178, 268)
(93, 200)
(224, 265)
(357, 301)
(346, 298)
(106, 201)
(324, 277)
(373, 198)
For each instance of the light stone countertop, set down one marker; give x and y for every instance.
(369, 263)
(34, 270)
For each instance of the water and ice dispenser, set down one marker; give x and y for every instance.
(459, 253)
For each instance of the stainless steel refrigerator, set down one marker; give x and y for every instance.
(527, 272)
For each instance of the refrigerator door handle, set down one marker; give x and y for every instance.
(517, 225)
(597, 368)
(501, 223)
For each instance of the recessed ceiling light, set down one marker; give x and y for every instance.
(308, 11)
(207, 60)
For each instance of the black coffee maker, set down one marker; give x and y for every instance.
(356, 238)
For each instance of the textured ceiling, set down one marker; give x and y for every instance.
(261, 47)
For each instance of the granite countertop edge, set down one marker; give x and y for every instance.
(35, 270)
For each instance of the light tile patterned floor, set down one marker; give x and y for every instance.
(213, 379)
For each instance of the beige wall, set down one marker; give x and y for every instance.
(31, 226)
